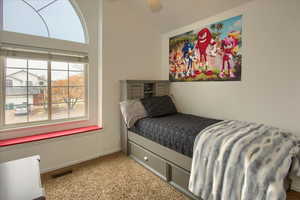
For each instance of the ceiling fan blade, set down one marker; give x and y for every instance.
(155, 5)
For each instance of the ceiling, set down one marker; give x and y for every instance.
(178, 13)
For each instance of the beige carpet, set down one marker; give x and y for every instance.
(113, 177)
(109, 178)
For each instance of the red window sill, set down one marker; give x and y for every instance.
(49, 135)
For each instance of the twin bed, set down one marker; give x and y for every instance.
(165, 144)
(177, 131)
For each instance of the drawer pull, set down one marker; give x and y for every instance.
(145, 158)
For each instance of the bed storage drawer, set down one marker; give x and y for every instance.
(180, 177)
(149, 160)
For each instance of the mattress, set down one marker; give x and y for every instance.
(177, 132)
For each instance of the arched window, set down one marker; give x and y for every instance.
(44, 61)
(48, 18)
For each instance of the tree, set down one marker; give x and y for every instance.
(219, 27)
(68, 91)
(213, 27)
(216, 28)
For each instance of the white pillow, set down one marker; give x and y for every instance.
(132, 111)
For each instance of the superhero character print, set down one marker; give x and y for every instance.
(204, 41)
(189, 58)
(207, 53)
(228, 46)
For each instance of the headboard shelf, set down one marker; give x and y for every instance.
(138, 89)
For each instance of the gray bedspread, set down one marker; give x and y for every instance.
(177, 132)
(236, 160)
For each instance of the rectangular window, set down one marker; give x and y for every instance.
(43, 90)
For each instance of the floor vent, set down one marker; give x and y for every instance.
(62, 174)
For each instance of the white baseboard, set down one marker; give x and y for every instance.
(74, 162)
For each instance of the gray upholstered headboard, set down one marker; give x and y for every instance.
(138, 89)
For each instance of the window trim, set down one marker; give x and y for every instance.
(49, 135)
(38, 43)
(82, 20)
(42, 123)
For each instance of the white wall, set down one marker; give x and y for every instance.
(131, 50)
(269, 90)
(178, 13)
(59, 152)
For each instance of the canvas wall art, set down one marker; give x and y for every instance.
(209, 53)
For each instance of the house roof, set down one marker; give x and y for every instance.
(39, 77)
(17, 79)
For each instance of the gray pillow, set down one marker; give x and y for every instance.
(132, 111)
(157, 106)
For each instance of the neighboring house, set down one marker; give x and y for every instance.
(16, 90)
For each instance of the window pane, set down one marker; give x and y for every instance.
(18, 77)
(38, 4)
(38, 112)
(21, 18)
(41, 18)
(60, 94)
(76, 99)
(77, 109)
(59, 65)
(16, 91)
(59, 102)
(63, 21)
(37, 100)
(60, 111)
(59, 78)
(16, 109)
(76, 78)
(37, 64)
(37, 77)
(76, 94)
(19, 63)
(37, 95)
(76, 67)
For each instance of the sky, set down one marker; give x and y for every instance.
(234, 23)
(60, 17)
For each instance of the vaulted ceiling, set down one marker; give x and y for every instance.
(177, 13)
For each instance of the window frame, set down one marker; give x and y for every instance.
(42, 123)
(51, 46)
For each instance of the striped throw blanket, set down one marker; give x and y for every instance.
(236, 160)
